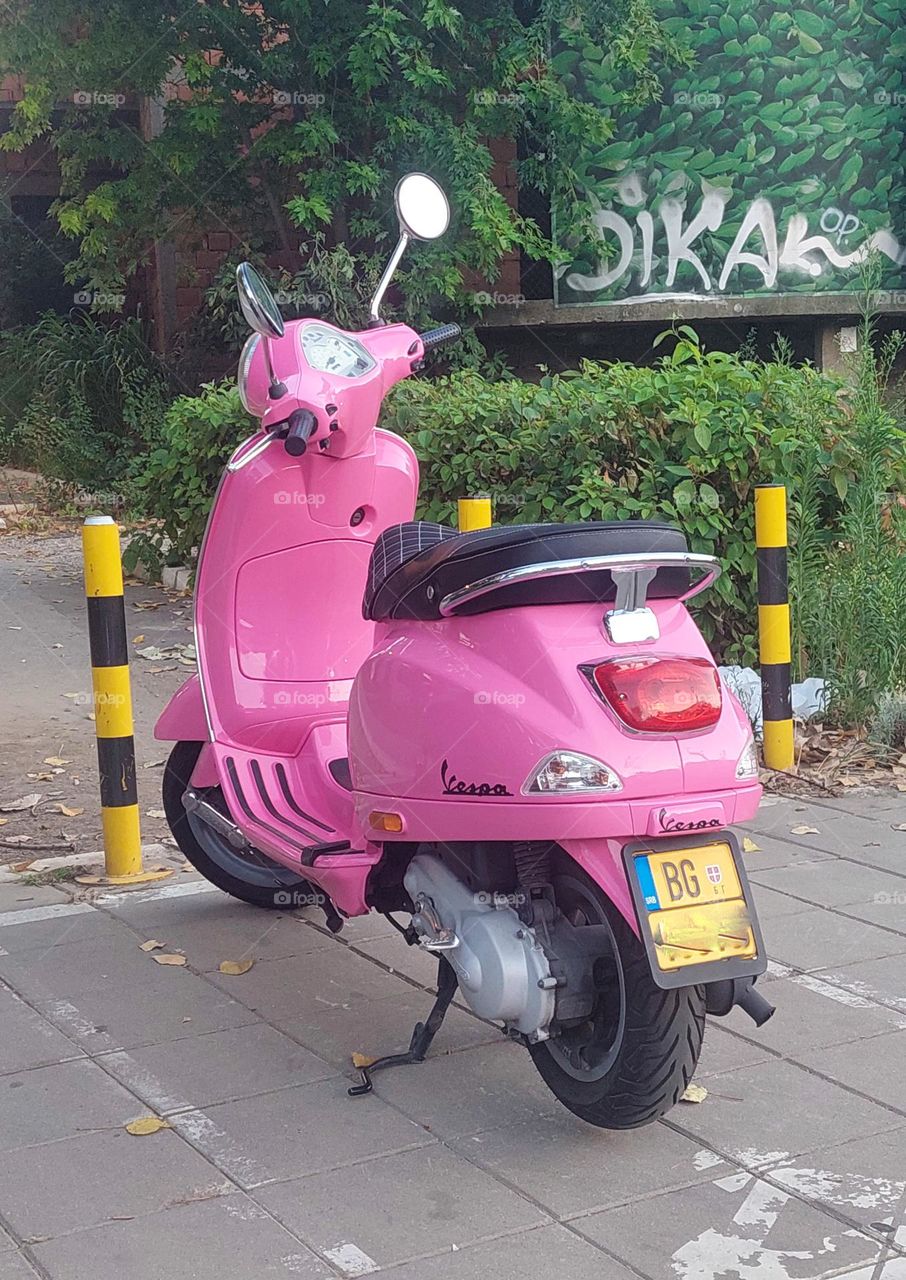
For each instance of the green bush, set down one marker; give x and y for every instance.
(174, 484)
(685, 439)
(79, 399)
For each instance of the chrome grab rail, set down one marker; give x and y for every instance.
(562, 568)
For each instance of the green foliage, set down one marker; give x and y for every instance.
(288, 114)
(685, 439)
(79, 399)
(849, 582)
(174, 484)
(801, 106)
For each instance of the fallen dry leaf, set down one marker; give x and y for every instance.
(146, 1124)
(89, 880)
(749, 846)
(138, 639)
(363, 1060)
(151, 945)
(898, 826)
(803, 830)
(235, 967)
(694, 1093)
(69, 813)
(3, 822)
(156, 813)
(21, 866)
(24, 802)
(166, 958)
(57, 760)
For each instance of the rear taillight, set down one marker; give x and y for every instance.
(660, 695)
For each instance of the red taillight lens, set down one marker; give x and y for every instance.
(661, 695)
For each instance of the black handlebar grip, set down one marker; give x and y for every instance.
(445, 333)
(302, 426)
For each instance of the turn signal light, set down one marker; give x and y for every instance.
(379, 821)
(661, 695)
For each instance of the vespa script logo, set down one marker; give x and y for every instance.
(667, 823)
(454, 786)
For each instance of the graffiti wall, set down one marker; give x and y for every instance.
(771, 166)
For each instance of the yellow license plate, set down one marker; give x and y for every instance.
(696, 907)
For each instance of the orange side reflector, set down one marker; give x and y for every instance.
(385, 821)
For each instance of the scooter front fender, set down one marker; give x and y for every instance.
(183, 718)
(602, 860)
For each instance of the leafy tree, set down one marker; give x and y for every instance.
(271, 117)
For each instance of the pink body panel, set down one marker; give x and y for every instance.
(285, 658)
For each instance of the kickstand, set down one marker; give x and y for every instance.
(424, 1032)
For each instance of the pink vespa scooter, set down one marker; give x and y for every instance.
(516, 736)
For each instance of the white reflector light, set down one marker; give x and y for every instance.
(747, 765)
(568, 772)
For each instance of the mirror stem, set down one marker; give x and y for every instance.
(276, 388)
(375, 310)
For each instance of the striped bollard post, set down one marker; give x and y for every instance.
(474, 513)
(112, 702)
(774, 626)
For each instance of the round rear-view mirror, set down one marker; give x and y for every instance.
(421, 206)
(259, 306)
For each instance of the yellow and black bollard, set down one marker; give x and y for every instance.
(112, 702)
(774, 625)
(474, 513)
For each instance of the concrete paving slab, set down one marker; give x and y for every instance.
(228, 1236)
(400, 1207)
(807, 1019)
(166, 1006)
(834, 883)
(6, 1241)
(874, 1067)
(777, 851)
(14, 1266)
(570, 1168)
(462, 1093)
(334, 978)
(380, 1027)
(805, 940)
(23, 897)
(863, 1180)
(736, 1225)
(308, 1129)
(199, 1071)
(111, 959)
(28, 1039)
(882, 980)
(553, 1252)
(62, 1101)
(212, 927)
(888, 912)
(772, 904)
(777, 1107)
(412, 962)
(722, 1050)
(63, 930)
(82, 1182)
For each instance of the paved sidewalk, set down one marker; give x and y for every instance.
(793, 1168)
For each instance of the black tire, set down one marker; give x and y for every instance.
(650, 1045)
(256, 879)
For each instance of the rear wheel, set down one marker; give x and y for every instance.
(631, 1059)
(246, 874)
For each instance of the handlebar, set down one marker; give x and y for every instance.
(444, 333)
(302, 426)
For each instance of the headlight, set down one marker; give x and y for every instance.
(567, 772)
(747, 764)
(242, 375)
